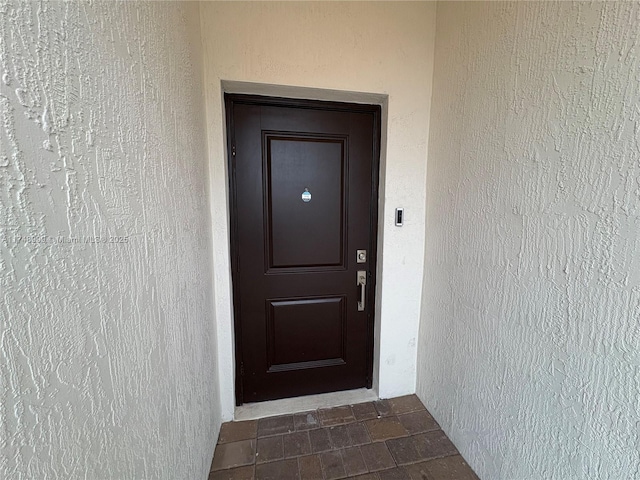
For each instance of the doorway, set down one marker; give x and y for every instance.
(303, 194)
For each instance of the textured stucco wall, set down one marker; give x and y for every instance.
(383, 48)
(107, 350)
(530, 337)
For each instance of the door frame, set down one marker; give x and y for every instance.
(235, 98)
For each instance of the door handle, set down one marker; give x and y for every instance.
(362, 283)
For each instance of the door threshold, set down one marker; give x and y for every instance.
(253, 411)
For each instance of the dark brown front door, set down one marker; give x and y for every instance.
(304, 201)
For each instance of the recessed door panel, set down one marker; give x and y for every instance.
(303, 182)
(306, 194)
(306, 333)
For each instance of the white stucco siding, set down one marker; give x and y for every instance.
(529, 343)
(107, 336)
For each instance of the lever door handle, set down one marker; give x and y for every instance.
(362, 283)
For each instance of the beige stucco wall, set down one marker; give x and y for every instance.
(331, 49)
(107, 350)
(529, 347)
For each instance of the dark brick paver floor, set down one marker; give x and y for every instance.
(393, 439)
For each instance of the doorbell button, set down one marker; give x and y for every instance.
(399, 217)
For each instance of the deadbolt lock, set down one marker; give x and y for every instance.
(361, 256)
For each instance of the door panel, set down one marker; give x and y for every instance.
(303, 178)
(305, 234)
(318, 341)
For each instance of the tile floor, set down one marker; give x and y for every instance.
(391, 439)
